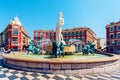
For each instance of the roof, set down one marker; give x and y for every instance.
(15, 20)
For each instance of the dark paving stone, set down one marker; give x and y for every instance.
(12, 77)
(57, 78)
(2, 75)
(45, 76)
(105, 76)
(80, 77)
(24, 73)
(90, 78)
(34, 75)
(15, 72)
(6, 71)
(117, 77)
(35, 79)
(68, 79)
(100, 79)
(24, 78)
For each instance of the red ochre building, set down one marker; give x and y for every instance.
(14, 36)
(83, 33)
(113, 37)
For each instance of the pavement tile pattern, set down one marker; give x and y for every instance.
(11, 74)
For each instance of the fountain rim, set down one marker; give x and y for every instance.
(57, 60)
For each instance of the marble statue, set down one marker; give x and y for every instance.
(60, 23)
(58, 45)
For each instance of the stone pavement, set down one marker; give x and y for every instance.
(11, 74)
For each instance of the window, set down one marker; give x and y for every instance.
(118, 35)
(48, 35)
(70, 33)
(111, 36)
(67, 40)
(111, 43)
(74, 33)
(14, 40)
(111, 29)
(118, 28)
(37, 39)
(78, 33)
(15, 31)
(82, 38)
(37, 34)
(79, 38)
(66, 33)
(118, 50)
(83, 33)
(118, 42)
(40, 38)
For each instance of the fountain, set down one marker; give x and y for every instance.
(68, 64)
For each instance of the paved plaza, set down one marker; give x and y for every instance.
(11, 74)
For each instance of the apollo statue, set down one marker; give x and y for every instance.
(60, 23)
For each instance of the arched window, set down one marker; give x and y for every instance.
(15, 31)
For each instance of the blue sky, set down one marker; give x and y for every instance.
(43, 14)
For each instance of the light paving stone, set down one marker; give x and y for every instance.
(62, 76)
(41, 78)
(4, 69)
(51, 79)
(72, 72)
(85, 79)
(4, 78)
(74, 78)
(1, 72)
(89, 71)
(108, 69)
(98, 70)
(29, 72)
(8, 74)
(19, 75)
(17, 79)
(91, 77)
(51, 75)
(19, 71)
(82, 71)
(29, 77)
(102, 78)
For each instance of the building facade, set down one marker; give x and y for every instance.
(14, 36)
(84, 34)
(113, 37)
(102, 43)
